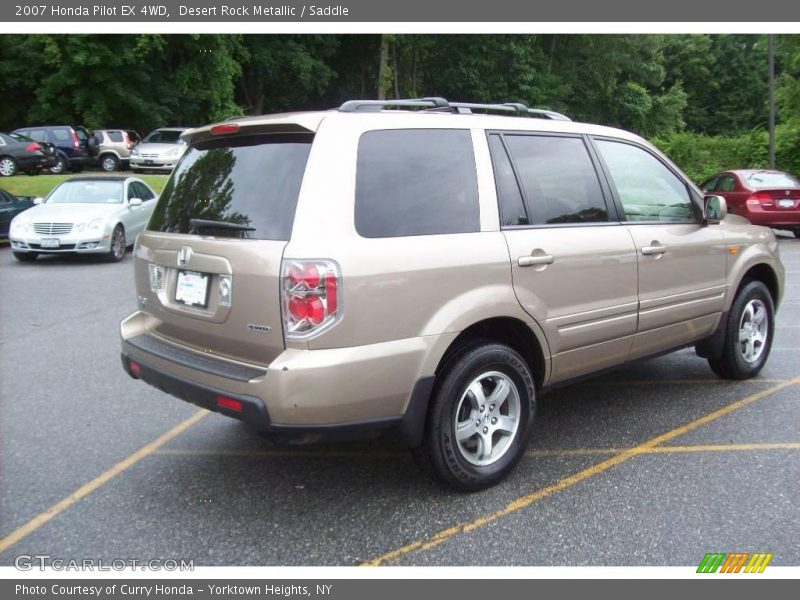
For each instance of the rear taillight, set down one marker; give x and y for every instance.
(127, 140)
(311, 296)
(32, 147)
(760, 199)
(76, 143)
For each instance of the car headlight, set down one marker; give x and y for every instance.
(171, 152)
(21, 226)
(134, 152)
(96, 224)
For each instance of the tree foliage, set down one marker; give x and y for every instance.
(656, 85)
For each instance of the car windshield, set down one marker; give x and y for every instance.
(164, 136)
(761, 180)
(87, 192)
(19, 138)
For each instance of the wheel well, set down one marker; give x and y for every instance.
(108, 153)
(505, 330)
(763, 273)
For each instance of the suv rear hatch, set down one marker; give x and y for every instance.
(209, 263)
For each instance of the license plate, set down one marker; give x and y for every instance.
(786, 203)
(148, 162)
(192, 288)
(50, 243)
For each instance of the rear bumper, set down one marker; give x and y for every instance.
(35, 161)
(785, 218)
(335, 391)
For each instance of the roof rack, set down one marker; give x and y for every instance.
(436, 104)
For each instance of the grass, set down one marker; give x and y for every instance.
(40, 185)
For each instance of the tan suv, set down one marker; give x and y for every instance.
(412, 264)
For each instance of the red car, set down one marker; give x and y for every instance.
(764, 197)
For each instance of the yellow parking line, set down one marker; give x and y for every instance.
(527, 500)
(86, 489)
(725, 448)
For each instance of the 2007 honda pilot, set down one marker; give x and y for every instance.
(415, 264)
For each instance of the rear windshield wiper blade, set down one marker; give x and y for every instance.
(207, 224)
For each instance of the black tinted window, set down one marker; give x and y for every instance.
(251, 182)
(558, 179)
(416, 182)
(142, 191)
(512, 208)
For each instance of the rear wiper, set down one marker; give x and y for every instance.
(207, 224)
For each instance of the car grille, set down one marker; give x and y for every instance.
(150, 155)
(52, 228)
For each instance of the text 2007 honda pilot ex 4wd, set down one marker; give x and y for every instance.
(411, 264)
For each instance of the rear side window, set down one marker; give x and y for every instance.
(248, 185)
(558, 178)
(114, 136)
(416, 182)
(62, 134)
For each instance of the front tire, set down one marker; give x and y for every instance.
(480, 418)
(748, 333)
(118, 245)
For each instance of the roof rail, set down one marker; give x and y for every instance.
(436, 104)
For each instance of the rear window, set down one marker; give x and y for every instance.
(770, 180)
(250, 183)
(416, 182)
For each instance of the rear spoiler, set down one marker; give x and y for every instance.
(288, 123)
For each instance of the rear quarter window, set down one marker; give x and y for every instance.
(413, 182)
(115, 136)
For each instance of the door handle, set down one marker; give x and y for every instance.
(654, 249)
(538, 259)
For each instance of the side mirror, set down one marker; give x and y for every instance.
(135, 202)
(714, 209)
(38, 200)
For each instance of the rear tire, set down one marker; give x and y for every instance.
(60, 166)
(25, 256)
(8, 167)
(109, 163)
(796, 233)
(480, 418)
(748, 333)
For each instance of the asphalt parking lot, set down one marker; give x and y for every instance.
(655, 464)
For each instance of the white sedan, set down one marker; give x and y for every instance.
(87, 215)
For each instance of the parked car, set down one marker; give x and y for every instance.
(159, 151)
(71, 144)
(87, 215)
(19, 153)
(10, 207)
(111, 148)
(763, 196)
(433, 271)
